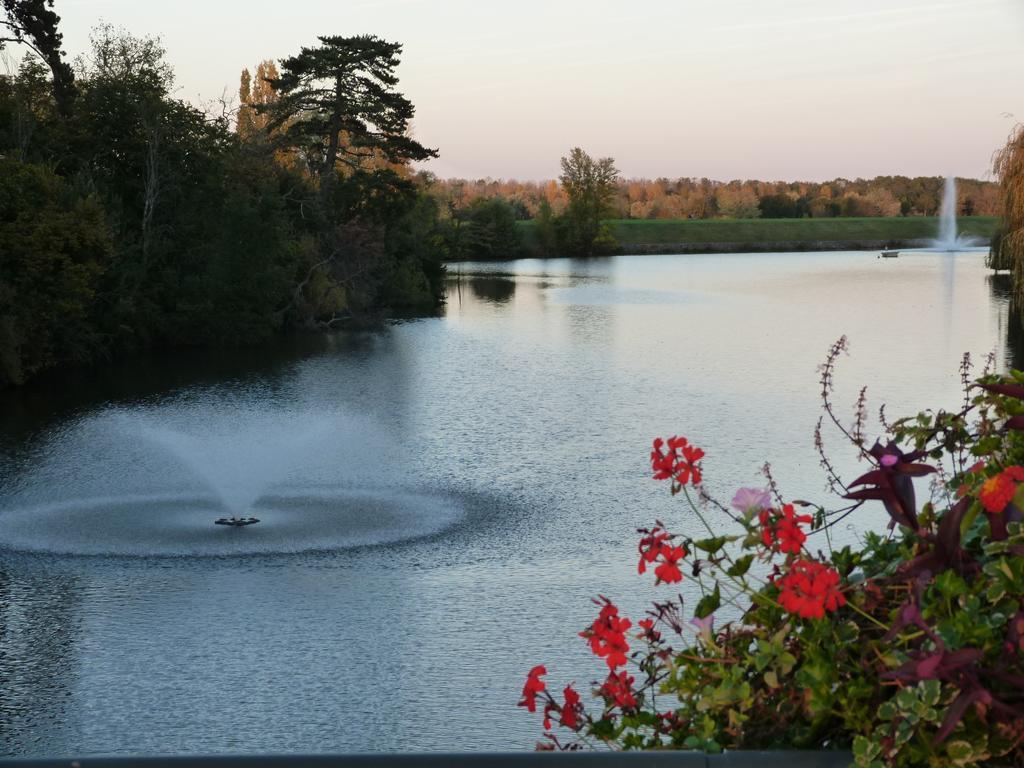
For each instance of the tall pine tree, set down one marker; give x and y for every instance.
(337, 106)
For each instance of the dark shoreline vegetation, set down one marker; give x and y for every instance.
(773, 235)
(131, 220)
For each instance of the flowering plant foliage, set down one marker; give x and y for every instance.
(908, 649)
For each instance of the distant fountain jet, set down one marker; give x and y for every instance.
(948, 239)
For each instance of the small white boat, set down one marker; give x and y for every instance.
(890, 254)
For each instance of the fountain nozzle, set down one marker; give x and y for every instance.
(237, 522)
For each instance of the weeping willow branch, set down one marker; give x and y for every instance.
(1009, 169)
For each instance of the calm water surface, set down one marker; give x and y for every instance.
(440, 501)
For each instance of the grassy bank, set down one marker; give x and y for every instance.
(715, 235)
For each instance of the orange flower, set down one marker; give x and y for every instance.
(998, 491)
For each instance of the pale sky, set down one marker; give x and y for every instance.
(766, 89)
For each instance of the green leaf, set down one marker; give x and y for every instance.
(711, 546)
(968, 519)
(708, 604)
(906, 699)
(603, 729)
(995, 592)
(865, 751)
(931, 690)
(1005, 568)
(903, 732)
(860, 746)
(959, 751)
(741, 566)
(786, 662)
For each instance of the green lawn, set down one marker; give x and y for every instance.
(765, 231)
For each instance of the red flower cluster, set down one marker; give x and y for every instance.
(534, 685)
(649, 632)
(810, 588)
(678, 463)
(998, 491)
(619, 688)
(781, 530)
(654, 547)
(570, 710)
(607, 635)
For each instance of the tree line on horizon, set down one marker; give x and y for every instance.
(693, 198)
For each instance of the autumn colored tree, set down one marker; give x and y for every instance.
(737, 201)
(693, 198)
(245, 126)
(255, 99)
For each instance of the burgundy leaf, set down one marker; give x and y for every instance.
(875, 477)
(1010, 390)
(948, 538)
(915, 470)
(958, 708)
(881, 494)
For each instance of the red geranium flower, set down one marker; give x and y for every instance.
(655, 547)
(548, 709)
(809, 589)
(649, 632)
(668, 571)
(651, 544)
(571, 709)
(607, 635)
(781, 530)
(619, 688)
(679, 463)
(569, 712)
(534, 685)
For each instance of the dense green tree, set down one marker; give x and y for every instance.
(590, 186)
(416, 249)
(140, 221)
(778, 207)
(336, 108)
(489, 230)
(55, 248)
(547, 242)
(27, 114)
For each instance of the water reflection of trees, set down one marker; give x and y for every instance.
(497, 290)
(1011, 315)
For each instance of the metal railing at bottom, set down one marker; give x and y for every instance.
(666, 759)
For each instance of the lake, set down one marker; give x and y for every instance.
(439, 501)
